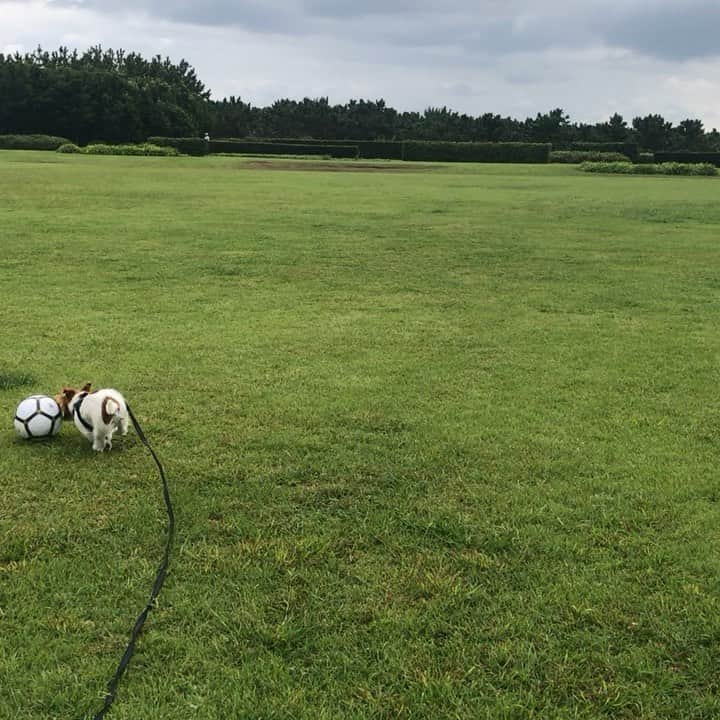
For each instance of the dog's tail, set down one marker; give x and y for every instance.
(110, 409)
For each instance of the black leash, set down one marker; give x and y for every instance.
(157, 586)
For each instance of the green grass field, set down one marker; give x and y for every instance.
(442, 443)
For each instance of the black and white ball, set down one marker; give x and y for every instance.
(38, 416)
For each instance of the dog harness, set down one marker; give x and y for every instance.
(76, 412)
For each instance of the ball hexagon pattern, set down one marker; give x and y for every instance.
(38, 416)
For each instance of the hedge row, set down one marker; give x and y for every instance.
(384, 149)
(580, 156)
(429, 150)
(31, 142)
(689, 157)
(390, 150)
(187, 145)
(404, 150)
(367, 149)
(628, 149)
(477, 152)
(381, 149)
(669, 168)
(103, 149)
(273, 148)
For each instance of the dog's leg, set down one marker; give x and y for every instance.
(108, 437)
(100, 441)
(124, 422)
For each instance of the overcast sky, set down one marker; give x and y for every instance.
(513, 57)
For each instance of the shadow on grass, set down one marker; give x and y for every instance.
(75, 447)
(11, 379)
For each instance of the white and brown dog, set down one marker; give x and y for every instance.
(97, 415)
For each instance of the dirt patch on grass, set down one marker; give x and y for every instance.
(339, 166)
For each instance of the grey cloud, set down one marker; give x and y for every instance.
(253, 15)
(348, 9)
(520, 77)
(494, 37)
(259, 16)
(488, 28)
(488, 19)
(665, 29)
(670, 32)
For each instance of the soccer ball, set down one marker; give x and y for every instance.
(38, 416)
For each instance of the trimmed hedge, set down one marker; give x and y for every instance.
(31, 142)
(381, 149)
(187, 145)
(276, 148)
(477, 152)
(103, 149)
(628, 149)
(144, 149)
(371, 149)
(580, 156)
(685, 156)
(671, 168)
(368, 149)
(282, 141)
(374, 149)
(419, 150)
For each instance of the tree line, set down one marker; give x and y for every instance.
(115, 96)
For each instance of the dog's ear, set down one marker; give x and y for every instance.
(68, 392)
(86, 387)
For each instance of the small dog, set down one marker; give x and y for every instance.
(97, 415)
